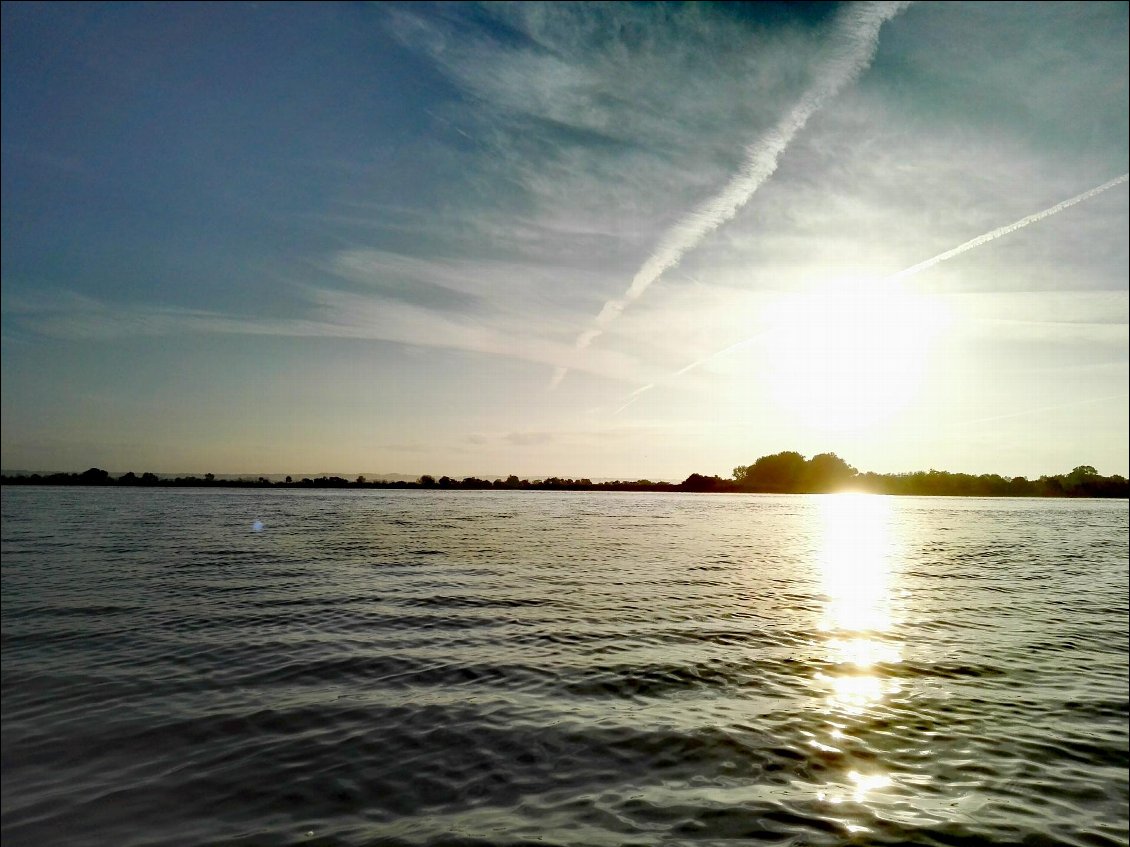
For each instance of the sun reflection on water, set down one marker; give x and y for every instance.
(855, 562)
(856, 568)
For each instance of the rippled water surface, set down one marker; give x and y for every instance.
(405, 667)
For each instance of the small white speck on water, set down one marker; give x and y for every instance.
(257, 526)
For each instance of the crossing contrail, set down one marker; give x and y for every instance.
(992, 235)
(1056, 407)
(1005, 230)
(857, 37)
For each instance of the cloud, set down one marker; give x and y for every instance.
(410, 447)
(403, 278)
(528, 439)
(334, 314)
(596, 125)
(1002, 231)
(1097, 318)
(856, 37)
(1092, 308)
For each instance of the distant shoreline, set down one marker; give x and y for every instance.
(625, 487)
(782, 473)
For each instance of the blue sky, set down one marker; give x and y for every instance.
(484, 239)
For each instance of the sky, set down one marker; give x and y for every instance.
(578, 240)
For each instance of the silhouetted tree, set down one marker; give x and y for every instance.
(827, 472)
(781, 472)
(94, 476)
(698, 482)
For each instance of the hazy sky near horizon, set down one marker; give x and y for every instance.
(622, 240)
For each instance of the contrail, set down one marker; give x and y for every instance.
(1043, 409)
(1005, 230)
(858, 34)
(992, 235)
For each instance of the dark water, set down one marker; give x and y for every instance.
(585, 668)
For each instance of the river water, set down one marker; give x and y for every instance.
(280, 667)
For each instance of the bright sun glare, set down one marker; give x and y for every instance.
(855, 567)
(858, 567)
(851, 353)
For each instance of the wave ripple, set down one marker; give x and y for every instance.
(506, 668)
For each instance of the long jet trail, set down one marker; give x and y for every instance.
(857, 37)
(1056, 407)
(1005, 230)
(992, 235)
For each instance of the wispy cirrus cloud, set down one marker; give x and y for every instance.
(595, 126)
(334, 313)
(1007, 229)
(499, 181)
(1098, 317)
(855, 37)
(528, 439)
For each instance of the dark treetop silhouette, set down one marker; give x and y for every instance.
(782, 473)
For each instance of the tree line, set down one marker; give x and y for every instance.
(788, 472)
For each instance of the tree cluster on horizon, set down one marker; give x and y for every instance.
(787, 472)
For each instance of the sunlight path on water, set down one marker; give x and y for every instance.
(572, 668)
(858, 563)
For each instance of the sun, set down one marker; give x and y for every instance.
(850, 354)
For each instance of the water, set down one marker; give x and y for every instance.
(404, 667)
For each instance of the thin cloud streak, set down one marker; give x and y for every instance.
(1009, 228)
(858, 33)
(340, 314)
(980, 240)
(1040, 409)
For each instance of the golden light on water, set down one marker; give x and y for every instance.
(861, 652)
(860, 785)
(856, 567)
(855, 561)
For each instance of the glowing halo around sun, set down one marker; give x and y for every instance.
(852, 353)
